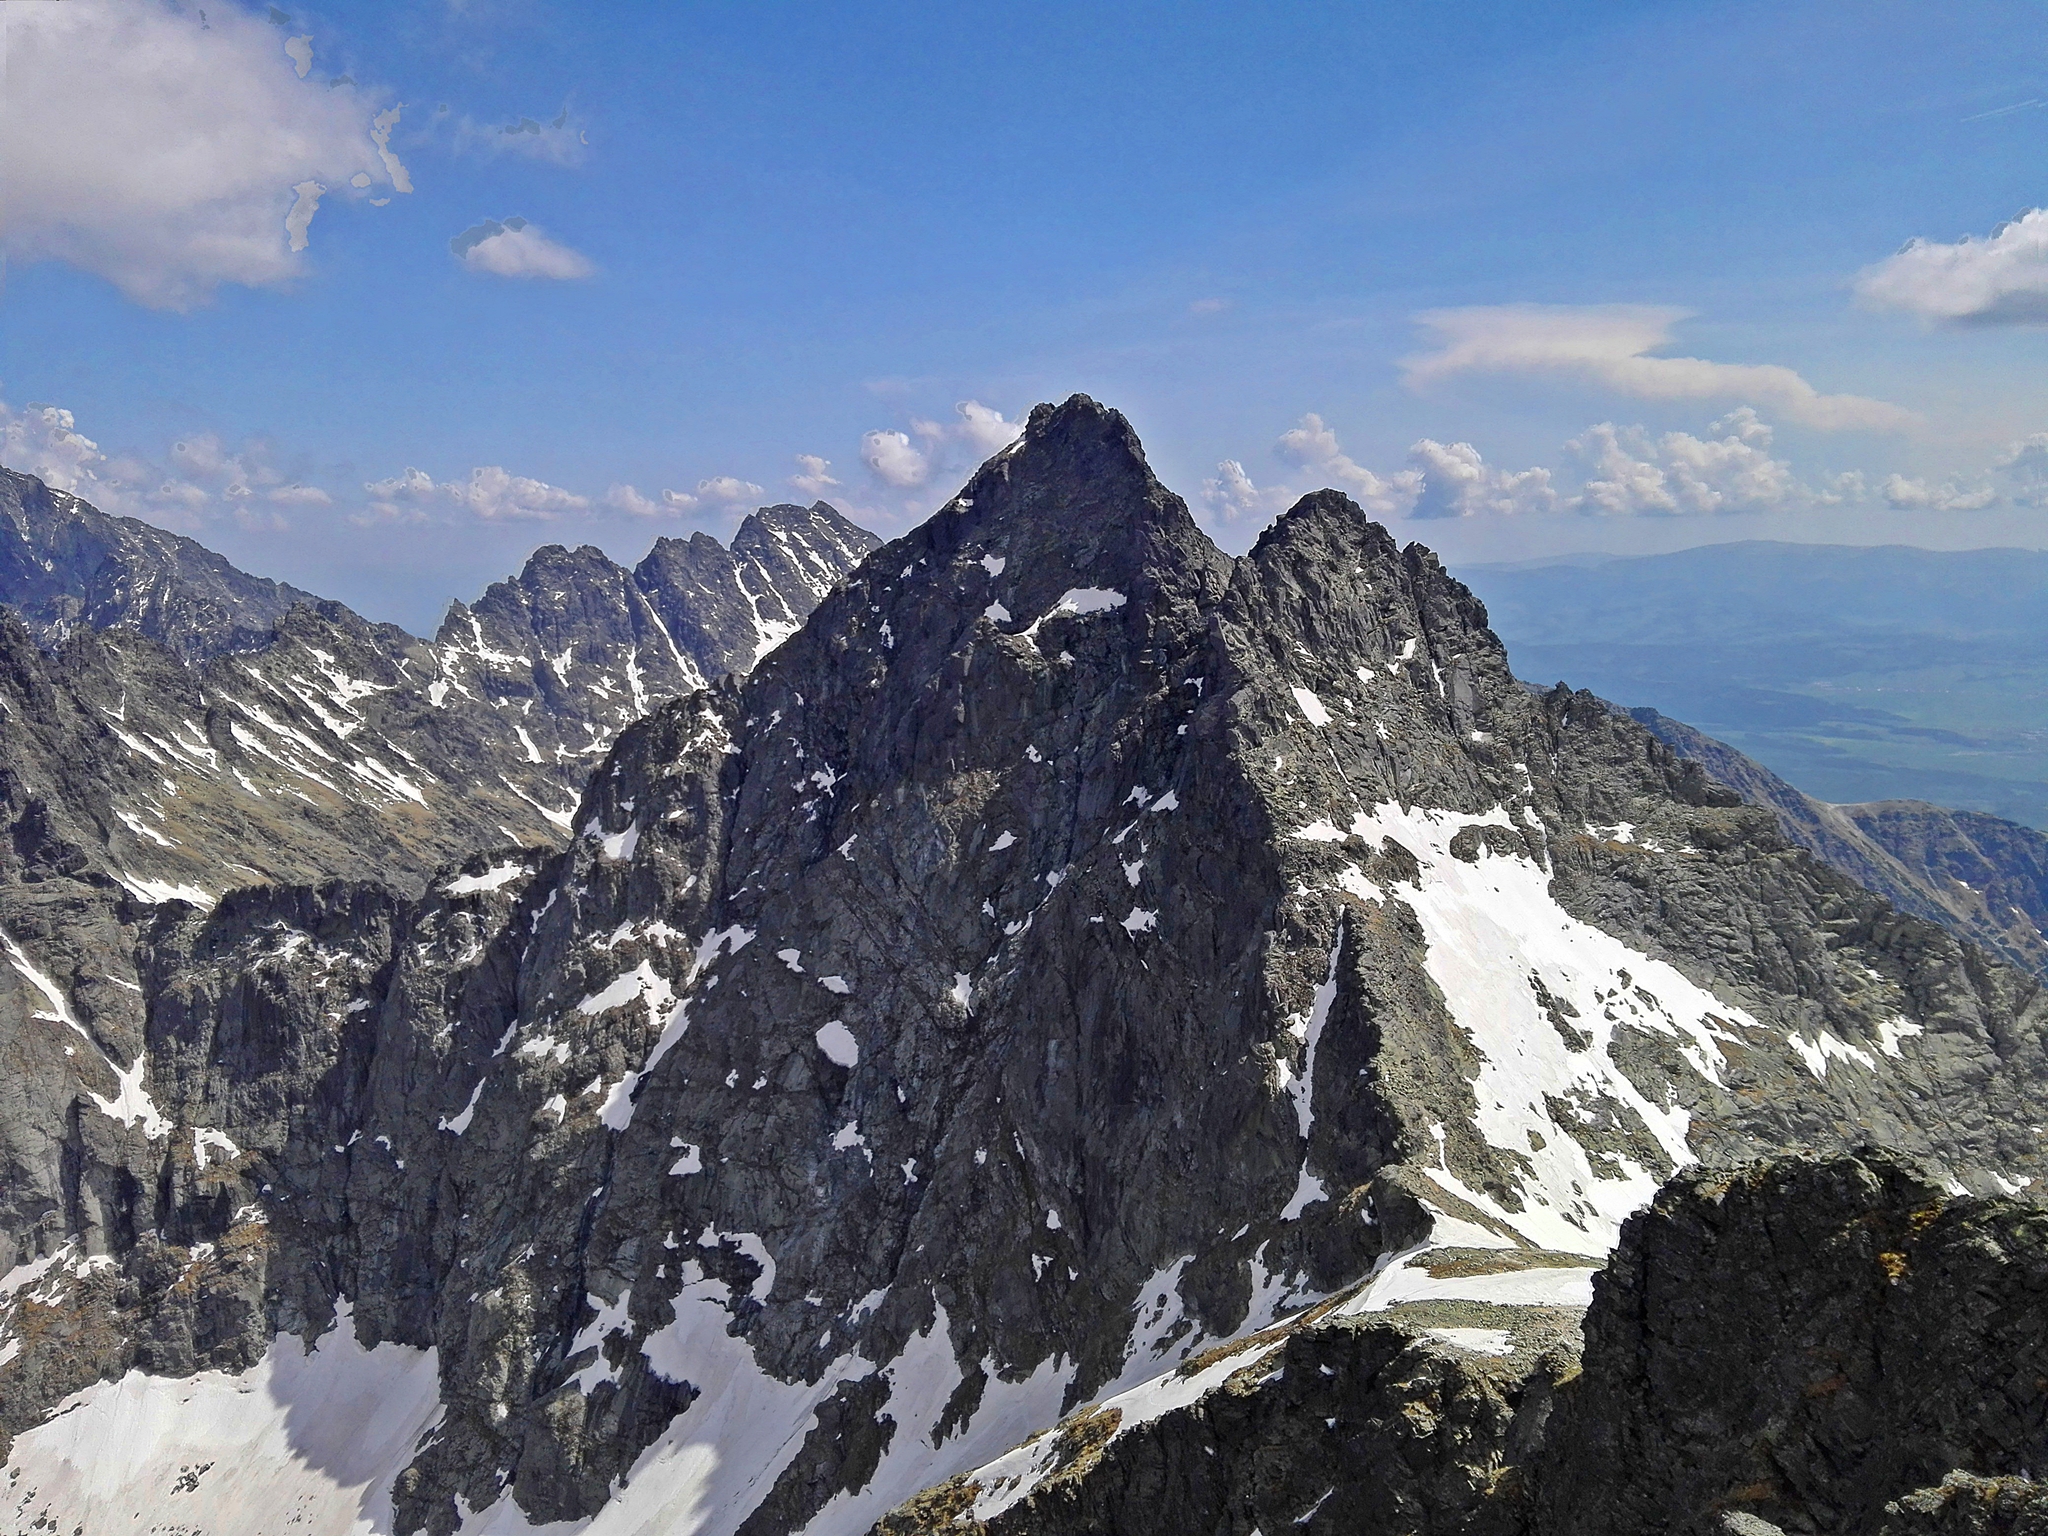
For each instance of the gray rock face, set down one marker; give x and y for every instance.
(67, 566)
(1984, 879)
(1069, 952)
(1806, 1342)
(337, 748)
(1801, 1344)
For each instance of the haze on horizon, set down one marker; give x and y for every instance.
(377, 298)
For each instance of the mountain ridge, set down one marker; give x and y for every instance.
(1067, 954)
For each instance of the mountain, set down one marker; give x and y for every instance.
(335, 747)
(66, 566)
(1068, 955)
(1983, 878)
(1859, 674)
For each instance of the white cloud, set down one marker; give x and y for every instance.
(44, 441)
(1630, 473)
(893, 459)
(297, 495)
(1610, 470)
(1314, 447)
(728, 488)
(1914, 495)
(982, 428)
(1231, 495)
(2025, 464)
(517, 248)
(626, 498)
(1610, 345)
(815, 475)
(906, 460)
(491, 494)
(1999, 280)
(718, 491)
(1456, 482)
(161, 151)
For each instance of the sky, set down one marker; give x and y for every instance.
(378, 298)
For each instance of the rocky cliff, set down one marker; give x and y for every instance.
(1800, 1344)
(1981, 877)
(1070, 953)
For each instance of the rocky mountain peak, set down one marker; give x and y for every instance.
(65, 566)
(1070, 955)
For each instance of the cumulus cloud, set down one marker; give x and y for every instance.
(166, 151)
(44, 441)
(982, 429)
(814, 476)
(517, 248)
(2025, 465)
(1608, 470)
(1611, 345)
(490, 494)
(1628, 472)
(1457, 482)
(198, 477)
(627, 498)
(894, 459)
(1310, 445)
(906, 460)
(1232, 495)
(717, 491)
(1913, 495)
(2001, 279)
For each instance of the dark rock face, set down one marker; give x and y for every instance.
(1805, 1342)
(1802, 1344)
(1067, 953)
(1371, 1426)
(1984, 879)
(66, 566)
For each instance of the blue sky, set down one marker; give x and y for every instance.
(1525, 279)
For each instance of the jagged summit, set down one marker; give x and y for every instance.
(1073, 500)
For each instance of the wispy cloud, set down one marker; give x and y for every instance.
(1613, 346)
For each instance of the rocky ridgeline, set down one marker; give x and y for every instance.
(66, 567)
(1069, 955)
(340, 748)
(1795, 1345)
(1983, 878)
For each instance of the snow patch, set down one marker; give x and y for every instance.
(838, 1044)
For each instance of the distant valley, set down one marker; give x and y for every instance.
(1858, 674)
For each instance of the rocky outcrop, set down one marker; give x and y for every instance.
(1804, 1342)
(1801, 1344)
(1071, 952)
(1984, 879)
